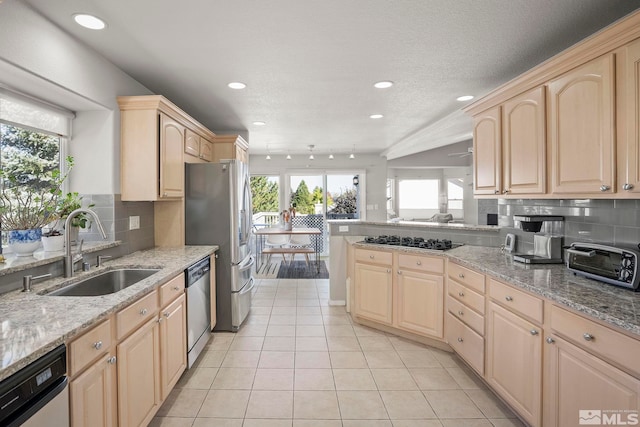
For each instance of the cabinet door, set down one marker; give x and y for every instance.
(629, 117)
(171, 160)
(419, 303)
(191, 143)
(206, 150)
(139, 376)
(514, 361)
(93, 395)
(581, 123)
(523, 150)
(374, 293)
(577, 383)
(173, 344)
(487, 153)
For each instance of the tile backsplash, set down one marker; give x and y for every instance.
(603, 221)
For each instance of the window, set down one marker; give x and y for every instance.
(265, 196)
(418, 193)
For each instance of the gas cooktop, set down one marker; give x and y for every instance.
(413, 242)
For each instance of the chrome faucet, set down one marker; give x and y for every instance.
(69, 258)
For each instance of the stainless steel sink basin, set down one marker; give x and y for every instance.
(105, 283)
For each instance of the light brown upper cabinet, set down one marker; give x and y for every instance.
(206, 150)
(581, 129)
(154, 137)
(628, 93)
(487, 152)
(230, 147)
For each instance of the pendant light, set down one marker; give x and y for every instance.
(352, 155)
(311, 151)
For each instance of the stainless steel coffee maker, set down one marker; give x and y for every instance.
(547, 248)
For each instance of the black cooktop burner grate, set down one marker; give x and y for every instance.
(413, 242)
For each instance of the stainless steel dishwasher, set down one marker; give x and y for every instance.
(198, 284)
(37, 395)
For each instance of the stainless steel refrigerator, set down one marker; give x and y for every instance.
(218, 212)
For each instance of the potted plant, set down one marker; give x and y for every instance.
(69, 203)
(29, 196)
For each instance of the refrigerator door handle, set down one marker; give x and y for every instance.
(249, 287)
(246, 265)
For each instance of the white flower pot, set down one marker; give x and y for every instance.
(24, 243)
(52, 243)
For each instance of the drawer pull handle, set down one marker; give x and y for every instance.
(111, 360)
(461, 275)
(460, 339)
(534, 332)
(97, 345)
(143, 311)
(508, 298)
(176, 288)
(550, 340)
(627, 187)
(460, 313)
(371, 256)
(587, 336)
(604, 188)
(418, 263)
(461, 294)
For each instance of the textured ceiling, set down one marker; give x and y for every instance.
(310, 66)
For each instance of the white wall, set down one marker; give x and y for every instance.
(48, 63)
(374, 166)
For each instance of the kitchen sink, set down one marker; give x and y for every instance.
(105, 283)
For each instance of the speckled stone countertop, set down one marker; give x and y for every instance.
(614, 305)
(31, 324)
(419, 224)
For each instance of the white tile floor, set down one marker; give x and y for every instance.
(298, 362)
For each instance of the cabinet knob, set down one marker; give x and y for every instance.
(550, 340)
(388, 270)
(505, 191)
(604, 188)
(176, 288)
(159, 320)
(587, 336)
(627, 187)
(418, 263)
(143, 311)
(461, 294)
(533, 332)
(97, 345)
(164, 194)
(460, 339)
(508, 298)
(371, 257)
(460, 312)
(496, 192)
(166, 314)
(399, 272)
(111, 360)
(461, 275)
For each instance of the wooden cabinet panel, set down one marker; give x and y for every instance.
(514, 361)
(89, 347)
(421, 263)
(172, 289)
(628, 116)
(465, 315)
(516, 300)
(487, 152)
(467, 277)
(206, 150)
(139, 376)
(374, 257)
(93, 396)
(524, 144)
(129, 318)
(173, 344)
(577, 381)
(171, 159)
(468, 344)
(373, 293)
(466, 296)
(581, 129)
(191, 143)
(420, 303)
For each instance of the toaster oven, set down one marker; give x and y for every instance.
(609, 264)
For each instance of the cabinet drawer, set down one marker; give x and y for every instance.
(128, 319)
(597, 339)
(466, 296)
(462, 312)
(89, 346)
(374, 257)
(421, 263)
(467, 277)
(465, 342)
(516, 300)
(171, 290)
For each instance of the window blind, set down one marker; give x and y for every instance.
(23, 110)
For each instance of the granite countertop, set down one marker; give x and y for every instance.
(614, 305)
(419, 224)
(32, 324)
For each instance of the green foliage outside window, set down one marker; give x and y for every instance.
(264, 194)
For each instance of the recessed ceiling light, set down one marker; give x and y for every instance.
(331, 156)
(464, 98)
(89, 21)
(383, 84)
(352, 156)
(268, 157)
(288, 156)
(376, 116)
(258, 123)
(237, 85)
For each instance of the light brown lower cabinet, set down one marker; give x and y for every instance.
(173, 344)
(578, 384)
(94, 395)
(419, 303)
(139, 376)
(374, 293)
(514, 361)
